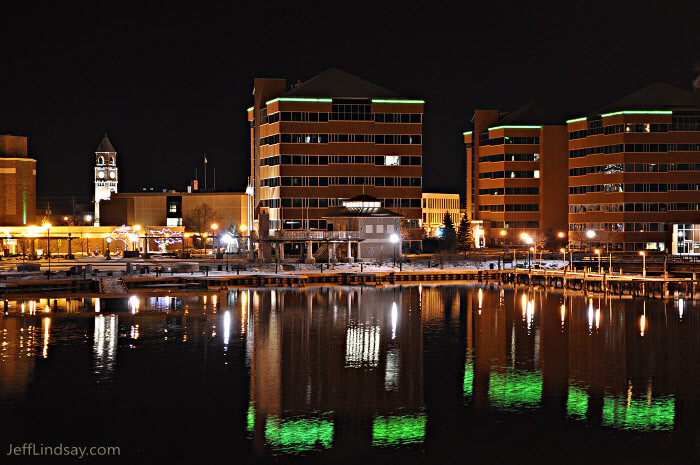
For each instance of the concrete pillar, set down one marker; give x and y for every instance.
(309, 253)
(349, 258)
(331, 250)
(280, 250)
(359, 254)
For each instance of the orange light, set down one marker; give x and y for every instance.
(562, 250)
(503, 232)
(561, 235)
(597, 251)
(641, 252)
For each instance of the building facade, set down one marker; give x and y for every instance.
(517, 173)
(17, 182)
(634, 176)
(106, 174)
(331, 138)
(171, 208)
(434, 208)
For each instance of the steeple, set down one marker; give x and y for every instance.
(105, 146)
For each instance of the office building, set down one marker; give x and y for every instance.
(331, 138)
(434, 208)
(17, 182)
(517, 173)
(634, 175)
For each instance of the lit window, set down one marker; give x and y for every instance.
(174, 222)
(537, 173)
(391, 160)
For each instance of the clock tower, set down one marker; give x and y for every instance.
(105, 174)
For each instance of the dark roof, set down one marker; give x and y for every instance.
(539, 112)
(105, 146)
(656, 96)
(362, 213)
(337, 83)
(362, 198)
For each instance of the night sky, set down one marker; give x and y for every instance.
(169, 85)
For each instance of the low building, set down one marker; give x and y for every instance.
(172, 208)
(17, 182)
(434, 208)
(377, 229)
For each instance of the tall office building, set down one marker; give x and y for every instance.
(17, 182)
(634, 173)
(331, 138)
(516, 172)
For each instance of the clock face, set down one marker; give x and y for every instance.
(101, 174)
(112, 175)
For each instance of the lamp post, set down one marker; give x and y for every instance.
(590, 234)
(644, 263)
(215, 238)
(394, 239)
(47, 226)
(597, 252)
(243, 229)
(503, 237)
(227, 240)
(563, 256)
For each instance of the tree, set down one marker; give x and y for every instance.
(465, 238)
(200, 219)
(449, 235)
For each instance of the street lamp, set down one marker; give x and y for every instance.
(47, 226)
(215, 238)
(597, 252)
(227, 240)
(394, 239)
(563, 255)
(244, 229)
(644, 263)
(88, 218)
(590, 234)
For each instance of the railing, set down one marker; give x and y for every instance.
(319, 235)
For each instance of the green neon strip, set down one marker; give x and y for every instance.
(576, 120)
(251, 108)
(467, 133)
(515, 127)
(515, 390)
(577, 403)
(398, 429)
(298, 99)
(637, 112)
(298, 435)
(640, 415)
(374, 100)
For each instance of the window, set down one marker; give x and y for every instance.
(368, 229)
(391, 160)
(380, 229)
(537, 173)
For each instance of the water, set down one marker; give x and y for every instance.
(409, 374)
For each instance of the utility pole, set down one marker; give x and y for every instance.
(205, 171)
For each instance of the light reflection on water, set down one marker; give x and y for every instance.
(343, 365)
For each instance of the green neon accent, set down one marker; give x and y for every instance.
(515, 390)
(251, 108)
(515, 127)
(576, 120)
(467, 133)
(250, 426)
(24, 207)
(298, 435)
(398, 429)
(298, 99)
(577, 403)
(640, 415)
(637, 112)
(375, 100)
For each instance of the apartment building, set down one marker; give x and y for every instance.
(434, 208)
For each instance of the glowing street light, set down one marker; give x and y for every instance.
(644, 263)
(597, 252)
(563, 255)
(227, 240)
(590, 234)
(394, 239)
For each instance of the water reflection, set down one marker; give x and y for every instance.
(105, 345)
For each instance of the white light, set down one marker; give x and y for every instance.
(227, 327)
(394, 238)
(227, 238)
(590, 234)
(394, 317)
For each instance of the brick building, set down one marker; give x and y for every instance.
(331, 138)
(517, 172)
(634, 176)
(17, 182)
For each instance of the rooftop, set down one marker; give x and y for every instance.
(656, 96)
(338, 84)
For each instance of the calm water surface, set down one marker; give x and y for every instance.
(417, 374)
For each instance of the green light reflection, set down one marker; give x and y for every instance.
(468, 379)
(251, 419)
(641, 415)
(514, 389)
(299, 434)
(577, 403)
(398, 429)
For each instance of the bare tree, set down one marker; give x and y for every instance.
(200, 219)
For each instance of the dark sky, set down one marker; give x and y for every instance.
(171, 84)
